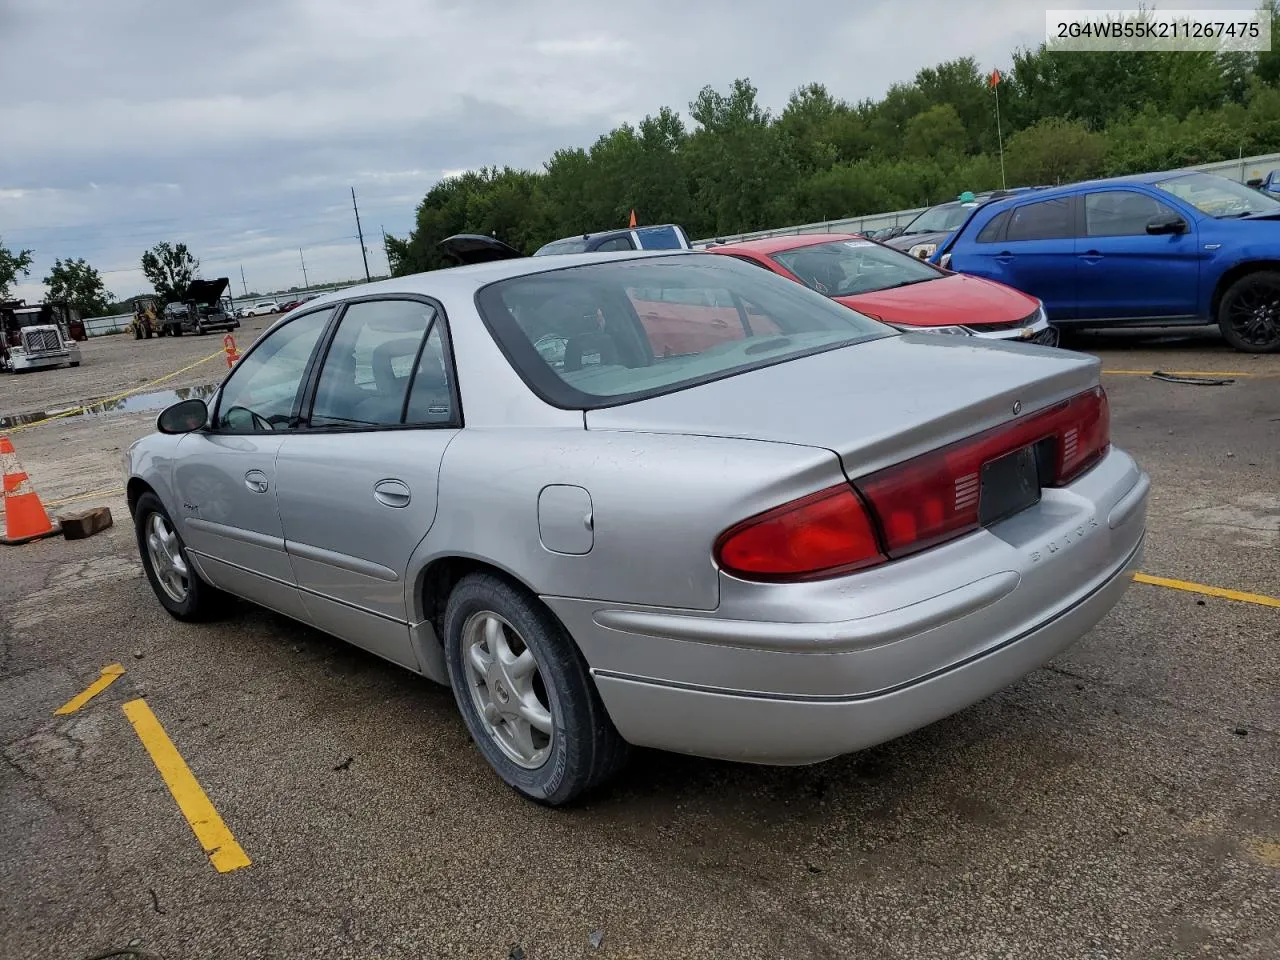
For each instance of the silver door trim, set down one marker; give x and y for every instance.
(236, 533)
(342, 561)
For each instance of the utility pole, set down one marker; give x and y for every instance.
(306, 284)
(385, 252)
(242, 283)
(363, 252)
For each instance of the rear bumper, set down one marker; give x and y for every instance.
(787, 730)
(798, 673)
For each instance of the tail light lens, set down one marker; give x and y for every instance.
(822, 535)
(918, 504)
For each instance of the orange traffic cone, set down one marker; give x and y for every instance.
(24, 515)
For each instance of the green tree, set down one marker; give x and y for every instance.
(12, 266)
(937, 130)
(79, 284)
(1055, 151)
(170, 268)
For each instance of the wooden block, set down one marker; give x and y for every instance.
(77, 526)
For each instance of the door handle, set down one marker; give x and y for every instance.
(392, 493)
(1004, 256)
(256, 481)
(1091, 256)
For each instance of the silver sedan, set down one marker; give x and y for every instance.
(665, 500)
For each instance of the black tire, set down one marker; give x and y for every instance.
(137, 333)
(1249, 313)
(76, 364)
(202, 601)
(200, 330)
(585, 748)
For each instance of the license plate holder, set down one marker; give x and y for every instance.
(1009, 485)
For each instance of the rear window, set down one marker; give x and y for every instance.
(661, 238)
(608, 333)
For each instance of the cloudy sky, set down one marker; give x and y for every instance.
(239, 126)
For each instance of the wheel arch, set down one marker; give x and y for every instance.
(1233, 274)
(134, 490)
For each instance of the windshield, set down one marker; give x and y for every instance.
(940, 219)
(606, 333)
(1218, 196)
(572, 245)
(843, 268)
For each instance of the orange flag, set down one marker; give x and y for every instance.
(633, 219)
(993, 79)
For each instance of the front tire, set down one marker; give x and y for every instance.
(169, 569)
(1249, 314)
(524, 692)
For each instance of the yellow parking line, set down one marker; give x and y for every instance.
(1207, 591)
(109, 492)
(224, 853)
(1182, 373)
(107, 678)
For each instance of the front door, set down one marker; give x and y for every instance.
(1126, 273)
(225, 477)
(357, 483)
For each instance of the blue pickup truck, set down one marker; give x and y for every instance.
(1159, 249)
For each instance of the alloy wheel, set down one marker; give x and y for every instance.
(166, 557)
(507, 689)
(1255, 315)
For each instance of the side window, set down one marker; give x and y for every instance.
(431, 394)
(367, 372)
(994, 231)
(1121, 213)
(1046, 220)
(261, 391)
(615, 243)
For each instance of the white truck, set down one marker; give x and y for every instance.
(36, 337)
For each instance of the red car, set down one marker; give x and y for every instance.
(897, 288)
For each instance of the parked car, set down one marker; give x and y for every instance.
(262, 308)
(812, 538)
(468, 248)
(898, 289)
(1156, 249)
(931, 228)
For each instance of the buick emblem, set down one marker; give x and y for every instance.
(1017, 407)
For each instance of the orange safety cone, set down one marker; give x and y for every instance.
(25, 518)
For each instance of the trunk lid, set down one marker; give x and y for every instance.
(873, 404)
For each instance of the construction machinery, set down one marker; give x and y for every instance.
(144, 322)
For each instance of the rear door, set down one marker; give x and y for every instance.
(1031, 248)
(1126, 273)
(357, 483)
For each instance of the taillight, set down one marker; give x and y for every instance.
(919, 503)
(934, 497)
(822, 535)
(1086, 434)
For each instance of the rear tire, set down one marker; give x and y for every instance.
(168, 567)
(1249, 314)
(137, 333)
(491, 630)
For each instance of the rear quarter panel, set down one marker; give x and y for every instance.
(658, 502)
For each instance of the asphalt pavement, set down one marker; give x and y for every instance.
(1122, 802)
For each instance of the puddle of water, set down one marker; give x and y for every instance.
(132, 404)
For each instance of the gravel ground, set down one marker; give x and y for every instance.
(1119, 803)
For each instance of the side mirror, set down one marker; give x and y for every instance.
(1257, 183)
(185, 416)
(1167, 225)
